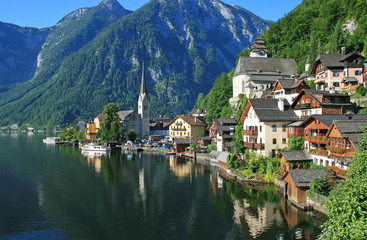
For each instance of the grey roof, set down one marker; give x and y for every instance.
(289, 83)
(295, 124)
(303, 177)
(124, 115)
(352, 129)
(185, 141)
(297, 155)
(334, 60)
(328, 119)
(267, 110)
(225, 124)
(223, 157)
(267, 66)
(312, 93)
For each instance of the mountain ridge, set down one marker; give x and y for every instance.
(184, 45)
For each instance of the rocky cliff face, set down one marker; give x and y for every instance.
(19, 48)
(185, 45)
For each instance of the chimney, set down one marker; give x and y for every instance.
(343, 50)
(281, 104)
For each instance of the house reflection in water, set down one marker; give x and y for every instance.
(183, 168)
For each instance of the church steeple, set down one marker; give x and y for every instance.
(143, 108)
(143, 87)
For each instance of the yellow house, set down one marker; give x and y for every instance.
(91, 132)
(186, 127)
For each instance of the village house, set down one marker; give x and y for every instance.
(364, 75)
(309, 102)
(222, 132)
(295, 159)
(93, 127)
(159, 127)
(289, 88)
(343, 138)
(297, 182)
(338, 70)
(316, 128)
(130, 120)
(258, 73)
(187, 127)
(264, 124)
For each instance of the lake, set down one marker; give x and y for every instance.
(55, 192)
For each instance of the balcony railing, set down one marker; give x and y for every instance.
(259, 145)
(248, 145)
(316, 139)
(304, 106)
(250, 132)
(254, 145)
(320, 152)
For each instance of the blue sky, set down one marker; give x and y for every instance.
(46, 13)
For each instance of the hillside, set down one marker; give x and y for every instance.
(317, 26)
(19, 48)
(184, 44)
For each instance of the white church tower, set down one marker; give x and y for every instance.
(143, 109)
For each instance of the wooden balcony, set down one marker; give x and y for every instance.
(316, 139)
(252, 133)
(304, 106)
(259, 146)
(248, 145)
(254, 145)
(341, 152)
(319, 152)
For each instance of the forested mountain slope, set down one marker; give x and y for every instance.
(184, 44)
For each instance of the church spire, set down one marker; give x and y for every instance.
(143, 87)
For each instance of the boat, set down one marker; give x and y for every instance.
(170, 153)
(51, 140)
(92, 147)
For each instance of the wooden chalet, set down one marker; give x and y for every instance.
(309, 102)
(343, 138)
(296, 159)
(297, 182)
(289, 88)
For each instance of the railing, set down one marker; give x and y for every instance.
(250, 132)
(304, 106)
(319, 152)
(259, 145)
(338, 170)
(318, 139)
(248, 145)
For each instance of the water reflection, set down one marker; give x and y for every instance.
(94, 159)
(149, 196)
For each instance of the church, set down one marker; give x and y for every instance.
(139, 122)
(258, 73)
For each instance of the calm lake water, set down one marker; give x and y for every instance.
(49, 192)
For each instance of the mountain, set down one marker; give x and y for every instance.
(318, 26)
(19, 48)
(184, 44)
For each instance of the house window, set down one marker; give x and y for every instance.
(261, 128)
(335, 84)
(274, 127)
(345, 73)
(326, 85)
(291, 130)
(357, 72)
(284, 140)
(283, 128)
(335, 74)
(250, 115)
(326, 75)
(274, 141)
(319, 87)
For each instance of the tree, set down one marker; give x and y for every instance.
(132, 135)
(238, 139)
(296, 143)
(348, 202)
(111, 128)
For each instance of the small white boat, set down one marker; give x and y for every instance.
(92, 147)
(51, 140)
